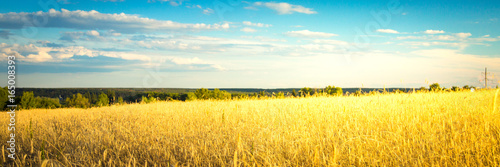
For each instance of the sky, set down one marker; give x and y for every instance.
(250, 44)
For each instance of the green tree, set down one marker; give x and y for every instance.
(28, 101)
(91, 98)
(262, 94)
(202, 94)
(152, 99)
(120, 100)
(77, 101)
(435, 87)
(220, 94)
(102, 100)
(455, 88)
(147, 100)
(294, 94)
(280, 95)
(49, 103)
(357, 93)
(111, 96)
(190, 96)
(239, 96)
(306, 91)
(329, 90)
(332, 90)
(4, 97)
(338, 91)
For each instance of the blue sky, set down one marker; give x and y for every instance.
(257, 44)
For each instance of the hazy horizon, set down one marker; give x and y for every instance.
(250, 44)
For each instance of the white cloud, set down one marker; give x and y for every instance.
(330, 42)
(112, 33)
(454, 57)
(482, 39)
(33, 53)
(218, 67)
(195, 61)
(92, 33)
(454, 37)
(250, 8)
(121, 23)
(208, 11)
(183, 61)
(435, 43)
(388, 31)
(248, 23)
(246, 29)
(40, 57)
(309, 34)
(433, 31)
(264, 39)
(444, 37)
(194, 6)
(166, 45)
(411, 37)
(283, 8)
(171, 2)
(463, 35)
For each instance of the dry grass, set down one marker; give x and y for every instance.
(422, 129)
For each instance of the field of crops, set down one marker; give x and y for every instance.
(419, 129)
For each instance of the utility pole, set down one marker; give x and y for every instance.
(485, 77)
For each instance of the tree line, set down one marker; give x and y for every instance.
(93, 98)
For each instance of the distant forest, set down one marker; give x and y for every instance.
(30, 98)
(129, 93)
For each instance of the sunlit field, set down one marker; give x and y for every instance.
(419, 129)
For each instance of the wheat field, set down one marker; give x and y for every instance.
(418, 129)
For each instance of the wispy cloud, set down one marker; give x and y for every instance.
(433, 32)
(454, 37)
(248, 23)
(387, 31)
(309, 34)
(122, 23)
(435, 43)
(91, 35)
(207, 11)
(411, 37)
(283, 8)
(264, 39)
(463, 35)
(33, 53)
(171, 2)
(246, 29)
(195, 61)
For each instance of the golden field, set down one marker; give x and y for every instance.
(419, 129)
